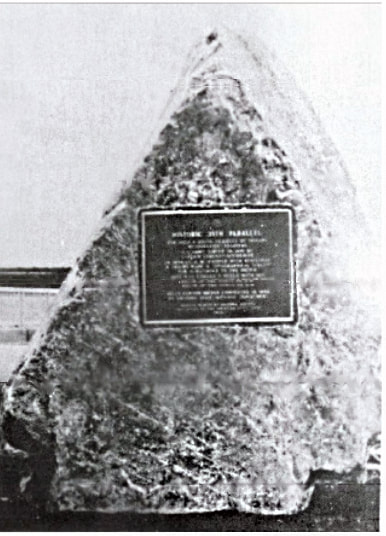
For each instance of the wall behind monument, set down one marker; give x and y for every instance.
(82, 87)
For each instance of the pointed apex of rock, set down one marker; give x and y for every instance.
(211, 37)
(249, 81)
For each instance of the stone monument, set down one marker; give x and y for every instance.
(210, 350)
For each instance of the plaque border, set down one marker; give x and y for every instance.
(251, 321)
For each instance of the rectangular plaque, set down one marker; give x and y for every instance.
(214, 266)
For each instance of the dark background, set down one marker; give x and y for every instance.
(335, 506)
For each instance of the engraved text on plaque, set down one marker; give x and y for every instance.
(217, 266)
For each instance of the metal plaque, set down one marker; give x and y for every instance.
(214, 266)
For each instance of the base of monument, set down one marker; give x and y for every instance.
(334, 507)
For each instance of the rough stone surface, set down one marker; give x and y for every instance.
(106, 415)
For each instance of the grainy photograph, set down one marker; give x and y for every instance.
(190, 267)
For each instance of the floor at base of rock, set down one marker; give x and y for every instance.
(333, 508)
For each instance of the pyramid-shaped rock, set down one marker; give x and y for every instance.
(109, 414)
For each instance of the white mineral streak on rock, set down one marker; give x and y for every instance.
(204, 419)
